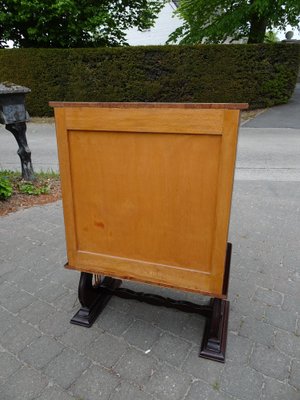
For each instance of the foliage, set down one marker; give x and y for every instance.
(73, 23)
(31, 189)
(262, 75)
(6, 189)
(271, 37)
(11, 182)
(215, 21)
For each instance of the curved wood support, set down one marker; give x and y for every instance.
(93, 299)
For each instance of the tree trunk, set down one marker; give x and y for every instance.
(258, 26)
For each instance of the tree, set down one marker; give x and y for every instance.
(271, 37)
(73, 23)
(215, 21)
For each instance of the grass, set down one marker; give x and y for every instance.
(11, 182)
(216, 385)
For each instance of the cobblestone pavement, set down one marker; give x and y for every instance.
(141, 352)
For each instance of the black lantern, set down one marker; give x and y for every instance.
(14, 116)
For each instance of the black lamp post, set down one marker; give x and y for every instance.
(14, 116)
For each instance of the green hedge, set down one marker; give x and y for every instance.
(262, 75)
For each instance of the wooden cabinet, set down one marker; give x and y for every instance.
(147, 190)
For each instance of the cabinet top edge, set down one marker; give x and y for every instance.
(222, 106)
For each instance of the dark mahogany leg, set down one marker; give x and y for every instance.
(215, 334)
(93, 299)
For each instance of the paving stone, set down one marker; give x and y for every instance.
(136, 366)
(66, 367)
(26, 280)
(270, 362)
(239, 271)
(126, 391)
(14, 299)
(37, 252)
(13, 254)
(32, 284)
(106, 350)
(203, 391)
(193, 329)
(171, 349)
(295, 274)
(144, 311)
(40, 352)
(8, 365)
(40, 266)
(6, 267)
(167, 383)
(172, 321)
(240, 289)
(281, 319)
(207, 370)
(291, 256)
(297, 331)
(36, 311)
(41, 253)
(287, 286)
(261, 278)
(295, 374)
(291, 304)
(269, 297)
(113, 321)
(120, 305)
(55, 393)
(17, 337)
(238, 349)
(79, 337)
(7, 321)
(274, 390)
(55, 324)
(142, 335)
(245, 384)
(94, 384)
(235, 322)
(288, 343)
(25, 384)
(45, 226)
(67, 278)
(68, 302)
(258, 331)
(247, 307)
(51, 291)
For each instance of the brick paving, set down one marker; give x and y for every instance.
(142, 352)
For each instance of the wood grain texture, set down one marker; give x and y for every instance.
(223, 106)
(147, 192)
(146, 120)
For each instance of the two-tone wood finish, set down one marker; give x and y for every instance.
(147, 190)
(147, 193)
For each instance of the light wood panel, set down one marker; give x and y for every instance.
(161, 120)
(147, 192)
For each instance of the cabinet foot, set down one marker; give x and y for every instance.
(92, 299)
(215, 334)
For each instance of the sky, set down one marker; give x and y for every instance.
(281, 34)
(167, 22)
